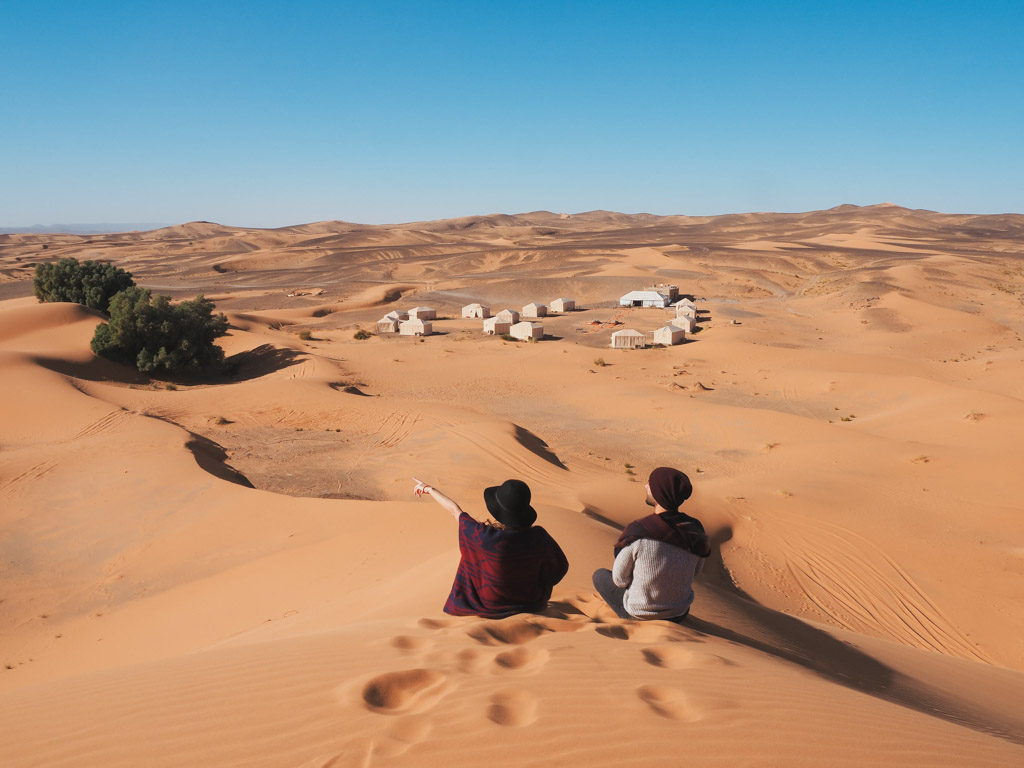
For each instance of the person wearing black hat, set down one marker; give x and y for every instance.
(507, 567)
(658, 556)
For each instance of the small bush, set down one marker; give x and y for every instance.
(92, 283)
(305, 335)
(509, 337)
(599, 362)
(157, 336)
(360, 335)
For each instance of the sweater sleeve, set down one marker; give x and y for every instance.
(622, 569)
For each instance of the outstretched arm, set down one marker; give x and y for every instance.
(422, 489)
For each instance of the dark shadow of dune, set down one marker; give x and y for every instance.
(350, 389)
(741, 619)
(212, 458)
(593, 515)
(536, 446)
(261, 361)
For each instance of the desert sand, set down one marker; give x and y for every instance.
(232, 570)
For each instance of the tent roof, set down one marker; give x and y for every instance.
(649, 295)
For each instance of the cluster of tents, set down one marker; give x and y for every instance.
(669, 335)
(508, 320)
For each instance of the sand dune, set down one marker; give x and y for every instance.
(231, 569)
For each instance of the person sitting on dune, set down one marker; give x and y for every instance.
(658, 556)
(507, 567)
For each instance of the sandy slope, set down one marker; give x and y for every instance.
(231, 571)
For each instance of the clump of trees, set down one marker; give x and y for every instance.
(92, 283)
(146, 331)
(158, 336)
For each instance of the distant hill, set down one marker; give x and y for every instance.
(79, 229)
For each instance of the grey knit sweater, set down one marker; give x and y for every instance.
(658, 578)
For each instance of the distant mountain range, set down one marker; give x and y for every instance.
(80, 229)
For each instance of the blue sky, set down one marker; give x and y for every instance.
(274, 113)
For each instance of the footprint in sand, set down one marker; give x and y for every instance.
(680, 657)
(437, 623)
(404, 691)
(506, 633)
(521, 631)
(408, 644)
(470, 660)
(638, 631)
(521, 659)
(513, 707)
(669, 702)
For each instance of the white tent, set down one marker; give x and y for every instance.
(687, 323)
(423, 313)
(388, 324)
(644, 299)
(495, 326)
(527, 330)
(684, 303)
(476, 310)
(563, 305)
(669, 335)
(415, 327)
(627, 338)
(508, 315)
(535, 310)
(685, 310)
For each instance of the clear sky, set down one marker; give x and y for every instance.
(272, 113)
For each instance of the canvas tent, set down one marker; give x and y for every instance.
(687, 323)
(495, 326)
(685, 310)
(388, 324)
(527, 330)
(684, 303)
(476, 310)
(535, 310)
(644, 299)
(627, 338)
(508, 315)
(563, 305)
(423, 313)
(415, 327)
(669, 335)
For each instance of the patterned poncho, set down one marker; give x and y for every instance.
(503, 572)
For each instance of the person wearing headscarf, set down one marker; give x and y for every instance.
(658, 556)
(508, 566)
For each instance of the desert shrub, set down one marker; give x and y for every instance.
(306, 335)
(155, 335)
(360, 334)
(509, 337)
(92, 283)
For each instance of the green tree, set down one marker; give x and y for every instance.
(157, 336)
(92, 283)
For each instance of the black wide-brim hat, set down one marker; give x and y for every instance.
(509, 504)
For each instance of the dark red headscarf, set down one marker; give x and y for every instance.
(670, 488)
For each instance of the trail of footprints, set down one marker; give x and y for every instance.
(503, 649)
